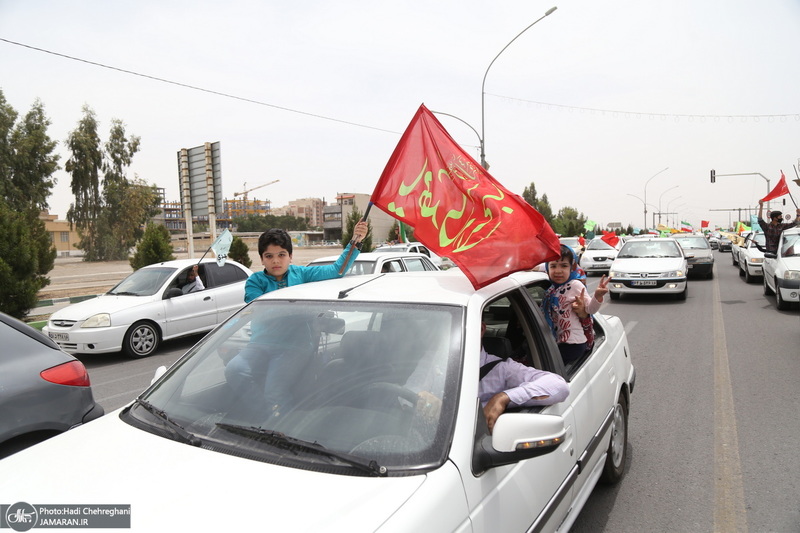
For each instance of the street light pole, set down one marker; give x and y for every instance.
(644, 204)
(659, 201)
(645, 194)
(482, 136)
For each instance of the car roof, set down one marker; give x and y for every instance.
(183, 263)
(370, 256)
(449, 287)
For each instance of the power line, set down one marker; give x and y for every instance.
(194, 87)
(653, 115)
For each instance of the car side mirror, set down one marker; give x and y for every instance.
(172, 293)
(770, 255)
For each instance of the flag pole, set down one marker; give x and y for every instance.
(353, 243)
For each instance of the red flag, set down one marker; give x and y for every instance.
(581, 240)
(610, 238)
(457, 209)
(781, 189)
(704, 223)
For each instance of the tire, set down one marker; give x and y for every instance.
(614, 295)
(733, 259)
(741, 270)
(710, 274)
(748, 278)
(141, 340)
(682, 295)
(614, 468)
(767, 290)
(780, 303)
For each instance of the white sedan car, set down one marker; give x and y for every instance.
(385, 262)
(649, 265)
(782, 270)
(352, 405)
(149, 306)
(598, 256)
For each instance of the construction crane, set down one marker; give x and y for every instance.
(246, 190)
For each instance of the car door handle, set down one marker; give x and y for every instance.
(207, 298)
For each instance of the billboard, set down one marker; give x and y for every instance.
(200, 180)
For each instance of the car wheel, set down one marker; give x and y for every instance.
(748, 278)
(614, 295)
(780, 303)
(618, 444)
(141, 340)
(767, 290)
(682, 295)
(710, 274)
(733, 259)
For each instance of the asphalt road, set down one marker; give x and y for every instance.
(713, 425)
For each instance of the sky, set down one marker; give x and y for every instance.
(606, 106)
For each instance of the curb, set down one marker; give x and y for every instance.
(71, 300)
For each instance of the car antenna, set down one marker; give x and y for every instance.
(343, 293)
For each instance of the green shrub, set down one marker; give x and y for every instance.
(240, 252)
(155, 247)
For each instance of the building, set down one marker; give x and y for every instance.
(62, 236)
(335, 217)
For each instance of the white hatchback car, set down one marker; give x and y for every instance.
(148, 306)
(442, 263)
(379, 427)
(782, 270)
(649, 265)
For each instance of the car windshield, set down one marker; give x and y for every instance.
(790, 245)
(343, 378)
(143, 282)
(651, 249)
(599, 244)
(693, 243)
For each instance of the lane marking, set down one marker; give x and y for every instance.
(729, 507)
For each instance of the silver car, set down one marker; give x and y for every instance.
(44, 390)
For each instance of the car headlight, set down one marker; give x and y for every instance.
(100, 320)
(756, 259)
(791, 274)
(617, 274)
(674, 274)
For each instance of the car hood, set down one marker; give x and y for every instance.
(176, 487)
(102, 304)
(652, 264)
(791, 263)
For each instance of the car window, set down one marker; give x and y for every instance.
(416, 264)
(790, 245)
(224, 275)
(599, 244)
(143, 282)
(347, 379)
(688, 243)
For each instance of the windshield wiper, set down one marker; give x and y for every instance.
(280, 440)
(177, 429)
(124, 293)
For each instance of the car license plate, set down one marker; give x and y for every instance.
(58, 336)
(644, 283)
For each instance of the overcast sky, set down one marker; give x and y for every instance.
(589, 104)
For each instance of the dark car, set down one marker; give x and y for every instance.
(699, 257)
(724, 244)
(45, 391)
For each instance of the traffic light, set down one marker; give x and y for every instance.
(713, 176)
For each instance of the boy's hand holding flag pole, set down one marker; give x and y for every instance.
(355, 240)
(457, 209)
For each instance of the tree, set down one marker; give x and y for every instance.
(109, 215)
(542, 206)
(568, 222)
(27, 165)
(240, 252)
(155, 247)
(352, 219)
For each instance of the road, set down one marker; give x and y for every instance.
(713, 420)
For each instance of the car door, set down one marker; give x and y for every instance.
(593, 393)
(227, 282)
(533, 492)
(192, 312)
